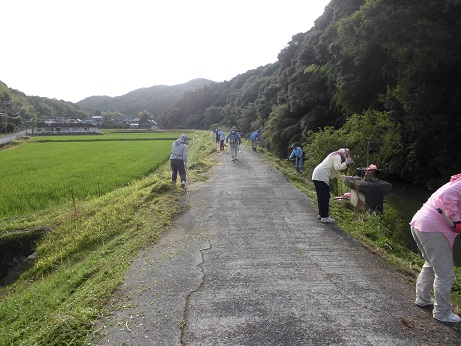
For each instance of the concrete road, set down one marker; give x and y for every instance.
(250, 264)
(12, 137)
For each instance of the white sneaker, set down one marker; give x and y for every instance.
(327, 220)
(450, 318)
(424, 302)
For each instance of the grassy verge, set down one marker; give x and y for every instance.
(56, 301)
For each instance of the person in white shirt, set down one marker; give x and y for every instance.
(328, 169)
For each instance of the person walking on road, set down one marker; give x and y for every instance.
(178, 159)
(255, 137)
(297, 154)
(222, 138)
(234, 140)
(434, 228)
(328, 169)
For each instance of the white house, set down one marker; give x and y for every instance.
(96, 119)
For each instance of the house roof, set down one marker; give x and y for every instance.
(53, 125)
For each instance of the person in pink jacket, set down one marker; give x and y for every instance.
(435, 234)
(328, 169)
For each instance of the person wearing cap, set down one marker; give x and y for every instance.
(434, 227)
(254, 138)
(178, 159)
(234, 140)
(328, 169)
(297, 154)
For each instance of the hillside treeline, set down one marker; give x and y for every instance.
(155, 99)
(379, 76)
(19, 111)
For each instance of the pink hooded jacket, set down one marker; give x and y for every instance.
(447, 198)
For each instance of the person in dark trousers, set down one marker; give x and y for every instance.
(328, 169)
(178, 160)
(434, 228)
(297, 154)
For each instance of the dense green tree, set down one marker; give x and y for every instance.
(114, 120)
(372, 137)
(212, 116)
(281, 130)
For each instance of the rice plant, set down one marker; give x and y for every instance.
(47, 172)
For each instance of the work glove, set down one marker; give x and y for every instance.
(457, 227)
(349, 161)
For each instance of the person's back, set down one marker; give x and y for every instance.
(178, 159)
(255, 136)
(179, 150)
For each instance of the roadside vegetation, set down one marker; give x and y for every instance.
(93, 241)
(84, 257)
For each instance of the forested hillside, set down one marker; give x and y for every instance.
(19, 111)
(155, 99)
(379, 76)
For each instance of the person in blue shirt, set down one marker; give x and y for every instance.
(222, 138)
(297, 154)
(254, 138)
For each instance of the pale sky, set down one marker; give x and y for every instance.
(72, 49)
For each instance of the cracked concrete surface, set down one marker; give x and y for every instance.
(250, 264)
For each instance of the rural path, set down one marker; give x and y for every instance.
(12, 137)
(250, 264)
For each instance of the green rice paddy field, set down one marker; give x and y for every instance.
(48, 171)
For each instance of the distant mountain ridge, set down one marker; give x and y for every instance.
(155, 99)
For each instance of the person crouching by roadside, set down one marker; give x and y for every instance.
(328, 169)
(254, 138)
(234, 140)
(178, 159)
(297, 154)
(435, 236)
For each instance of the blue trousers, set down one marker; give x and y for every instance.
(299, 164)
